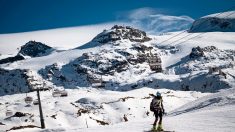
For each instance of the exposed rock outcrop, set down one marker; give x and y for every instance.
(121, 32)
(30, 49)
(12, 59)
(196, 52)
(35, 49)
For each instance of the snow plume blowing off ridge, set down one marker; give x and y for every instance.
(155, 22)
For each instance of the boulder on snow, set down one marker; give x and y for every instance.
(87, 104)
(86, 101)
(200, 52)
(196, 52)
(209, 48)
(19, 114)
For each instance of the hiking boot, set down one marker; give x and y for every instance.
(159, 128)
(154, 128)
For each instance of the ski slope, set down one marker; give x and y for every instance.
(107, 106)
(198, 111)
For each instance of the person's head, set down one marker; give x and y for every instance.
(158, 94)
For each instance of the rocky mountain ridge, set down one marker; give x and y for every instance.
(124, 58)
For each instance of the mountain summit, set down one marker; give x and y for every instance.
(117, 33)
(121, 32)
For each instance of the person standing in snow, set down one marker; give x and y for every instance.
(156, 106)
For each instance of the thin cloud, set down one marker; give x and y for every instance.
(140, 13)
(155, 21)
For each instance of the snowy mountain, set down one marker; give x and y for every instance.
(223, 21)
(115, 56)
(109, 80)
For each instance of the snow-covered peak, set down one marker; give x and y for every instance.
(228, 15)
(223, 22)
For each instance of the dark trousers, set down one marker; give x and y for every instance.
(158, 113)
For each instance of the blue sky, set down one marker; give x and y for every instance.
(30, 15)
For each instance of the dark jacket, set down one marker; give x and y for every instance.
(157, 104)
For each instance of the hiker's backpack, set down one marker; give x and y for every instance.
(156, 104)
